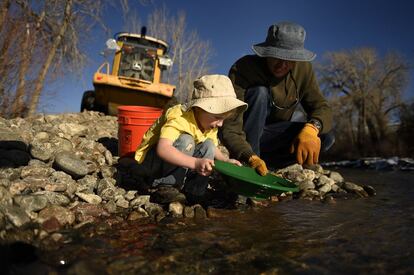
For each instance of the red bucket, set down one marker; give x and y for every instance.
(133, 122)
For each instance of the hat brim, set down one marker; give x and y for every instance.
(219, 105)
(263, 50)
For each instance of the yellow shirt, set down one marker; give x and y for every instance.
(174, 122)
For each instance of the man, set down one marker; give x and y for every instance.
(275, 82)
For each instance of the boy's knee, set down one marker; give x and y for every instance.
(207, 149)
(185, 143)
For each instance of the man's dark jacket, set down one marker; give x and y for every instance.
(251, 71)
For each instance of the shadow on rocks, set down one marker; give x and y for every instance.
(111, 144)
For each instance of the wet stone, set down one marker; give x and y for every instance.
(140, 201)
(176, 209)
(110, 206)
(122, 202)
(130, 195)
(51, 225)
(324, 180)
(324, 189)
(63, 215)
(153, 209)
(370, 190)
(188, 212)
(166, 194)
(199, 212)
(306, 184)
(85, 211)
(336, 177)
(137, 214)
(352, 187)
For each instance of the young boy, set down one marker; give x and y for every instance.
(182, 143)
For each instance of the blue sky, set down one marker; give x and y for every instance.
(233, 26)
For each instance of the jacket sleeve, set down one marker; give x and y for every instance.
(314, 103)
(231, 133)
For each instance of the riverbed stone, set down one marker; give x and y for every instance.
(199, 212)
(41, 150)
(88, 183)
(354, 188)
(336, 177)
(85, 211)
(54, 198)
(121, 202)
(140, 201)
(6, 198)
(36, 170)
(62, 214)
(10, 173)
(176, 209)
(324, 180)
(70, 164)
(17, 187)
(188, 212)
(89, 198)
(16, 215)
(31, 203)
(306, 184)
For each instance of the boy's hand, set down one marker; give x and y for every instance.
(204, 167)
(234, 161)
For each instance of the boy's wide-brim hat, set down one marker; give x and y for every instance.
(285, 40)
(215, 94)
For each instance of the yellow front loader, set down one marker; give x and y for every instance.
(135, 78)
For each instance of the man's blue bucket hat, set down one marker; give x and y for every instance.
(285, 40)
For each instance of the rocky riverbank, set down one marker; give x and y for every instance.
(61, 172)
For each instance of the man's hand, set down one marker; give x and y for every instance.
(258, 164)
(307, 145)
(204, 166)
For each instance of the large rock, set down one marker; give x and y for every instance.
(70, 164)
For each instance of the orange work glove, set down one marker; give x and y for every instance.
(307, 145)
(258, 164)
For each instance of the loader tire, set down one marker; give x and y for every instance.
(88, 101)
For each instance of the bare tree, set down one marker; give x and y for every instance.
(36, 44)
(365, 90)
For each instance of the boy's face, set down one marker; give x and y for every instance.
(208, 121)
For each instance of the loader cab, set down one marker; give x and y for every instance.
(140, 57)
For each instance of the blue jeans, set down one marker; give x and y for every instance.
(271, 141)
(159, 172)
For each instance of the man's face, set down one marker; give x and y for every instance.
(278, 67)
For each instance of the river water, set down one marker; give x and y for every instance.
(372, 235)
